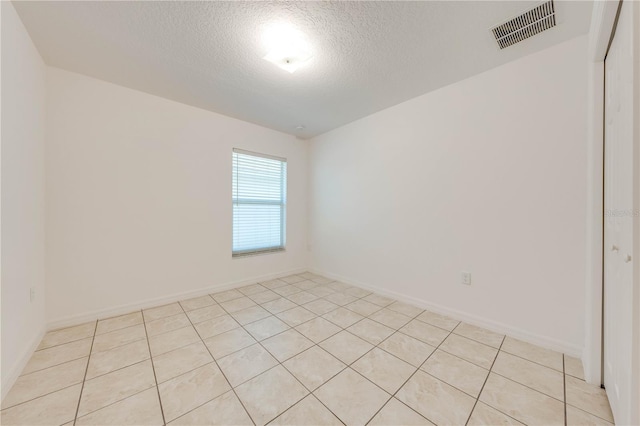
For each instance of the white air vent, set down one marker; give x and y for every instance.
(528, 24)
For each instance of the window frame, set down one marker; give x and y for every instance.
(282, 203)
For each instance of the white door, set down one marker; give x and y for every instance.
(618, 218)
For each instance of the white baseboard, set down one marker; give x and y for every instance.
(18, 366)
(158, 301)
(498, 327)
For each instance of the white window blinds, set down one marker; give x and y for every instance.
(259, 202)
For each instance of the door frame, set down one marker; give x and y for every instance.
(600, 34)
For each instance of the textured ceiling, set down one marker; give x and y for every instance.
(367, 56)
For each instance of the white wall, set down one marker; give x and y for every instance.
(22, 189)
(486, 175)
(139, 198)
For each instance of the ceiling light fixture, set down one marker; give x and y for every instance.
(287, 47)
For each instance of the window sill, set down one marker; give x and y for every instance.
(257, 253)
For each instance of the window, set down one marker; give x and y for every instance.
(259, 202)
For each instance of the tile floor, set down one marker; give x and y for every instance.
(293, 351)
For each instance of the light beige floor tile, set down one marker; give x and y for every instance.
(470, 350)
(107, 361)
(237, 304)
(390, 318)
(251, 289)
(206, 313)
(42, 382)
(228, 342)
(358, 292)
(588, 397)
(397, 413)
(115, 386)
(215, 326)
(116, 323)
(379, 299)
(306, 285)
(225, 296)
(279, 305)
(273, 284)
(54, 408)
(246, 363)
(140, 409)
(308, 412)
(174, 363)
(190, 390)
(484, 415)
(318, 329)
(457, 372)
(302, 297)
(67, 335)
(56, 355)
(286, 344)
(321, 291)
(292, 279)
(479, 334)
(346, 347)
(371, 331)
(320, 306)
(265, 296)
(522, 403)
(340, 298)
(533, 353)
(296, 316)
(425, 332)
(577, 417)
(173, 340)
(437, 401)
(342, 317)
(308, 275)
(363, 307)
(197, 303)
(161, 312)
(166, 324)
(351, 397)
(405, 308)
(321, 280)
(251, 314)
(113, 339)
(314, 367)
(573, 367)
(338, 286)
(287, 290)
(407, 348)
(438, 320)
(536, 376)
(269, 394)
(384, 369)
(265, 328)
(224, 410)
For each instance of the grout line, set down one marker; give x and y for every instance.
(259, 342)
(485, 381)
(410, 376)
(40, 396)
(220, 369)
(62, 344)
(155, 378)
(116, 402)
(84, 379)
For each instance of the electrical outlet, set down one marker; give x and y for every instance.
(32, 294)
(465, 277)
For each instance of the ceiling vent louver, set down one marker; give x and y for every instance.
(526, 25)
